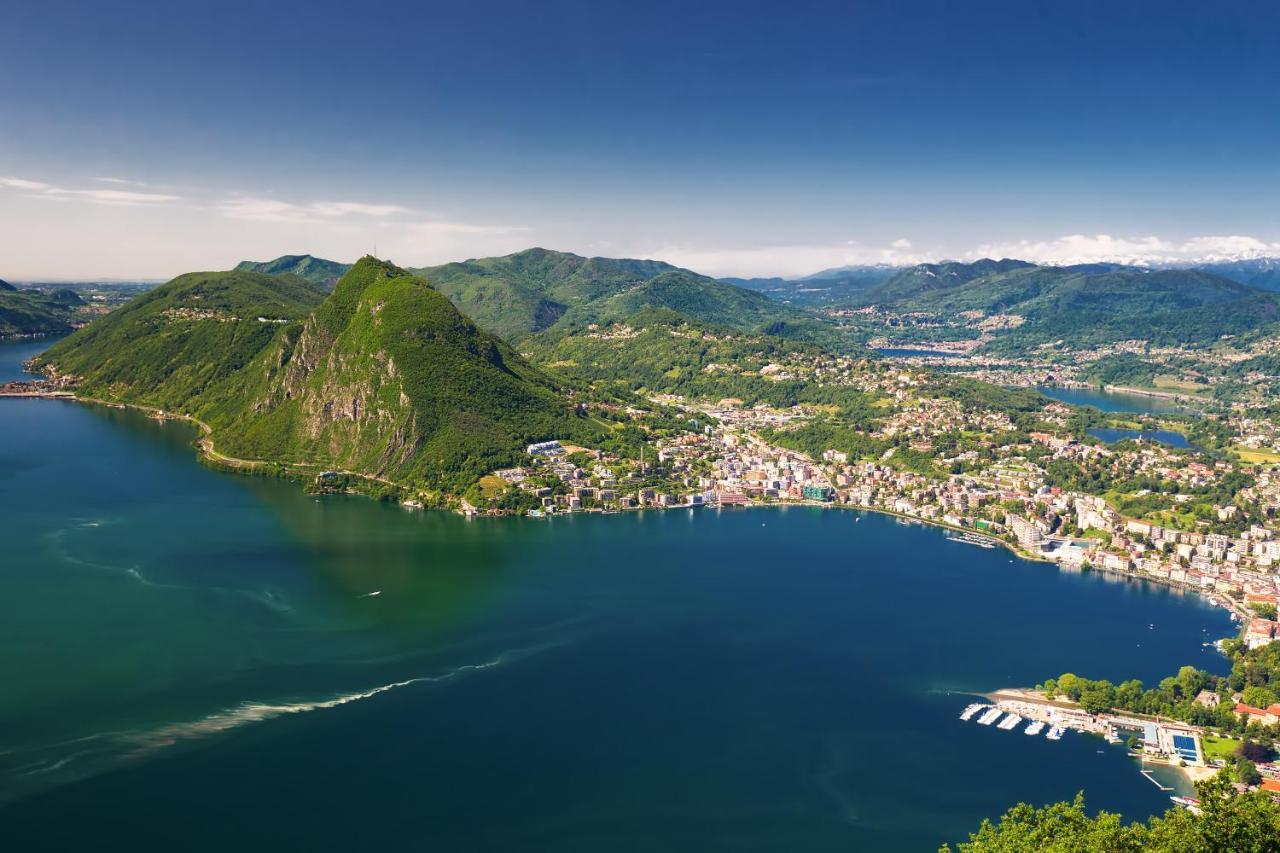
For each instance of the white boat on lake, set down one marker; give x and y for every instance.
(990, 716)
(1035, 728)
(1009, 722)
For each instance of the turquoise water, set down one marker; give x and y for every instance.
(1111, 436)
(194, 660)
(1114, 401)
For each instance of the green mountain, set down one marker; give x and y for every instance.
(1262, 273)
(169, 345)
(539, 290)
(543, 291)
(1085, 305)
(839, 286)
(922, 279)
(383, 378)
(315, 270)
(661, 350)
(31, 311)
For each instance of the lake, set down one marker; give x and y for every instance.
(15, 353)
(1111, 436)
(1115, 401)
(197, 660)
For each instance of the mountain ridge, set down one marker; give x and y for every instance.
(382, 376)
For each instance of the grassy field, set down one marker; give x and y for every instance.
(1219, 747)
(1167, 382)
(1256, 457)
(491, 486)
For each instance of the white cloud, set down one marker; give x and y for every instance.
(793, 260)
(1096, 248)
(347, 208)
(261, 209)
(275, 210)
(117, 181)
(22, 184)
(96, 196)
(115, 196)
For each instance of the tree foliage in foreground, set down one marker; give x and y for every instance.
(1240, 823)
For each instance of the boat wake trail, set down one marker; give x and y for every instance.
(258, 712)
(26, 770)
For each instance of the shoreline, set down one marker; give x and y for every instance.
(1096, 725)
(207, 452)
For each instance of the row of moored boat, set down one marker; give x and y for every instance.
(988, 714)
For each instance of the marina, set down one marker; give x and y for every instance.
(1010, 722)
(990, 717)
(972, 539)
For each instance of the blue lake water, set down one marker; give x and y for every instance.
(1111, 436)
(13, 354)
(196, 660)
(1114, 401)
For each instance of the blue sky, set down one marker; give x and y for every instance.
(145, 139)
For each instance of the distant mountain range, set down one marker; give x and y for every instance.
(539, 291)
(826, 288)
(1083, 305)
(408, 376)
(1262, 273)
(315, 270)
(555, 294)
(37, 311)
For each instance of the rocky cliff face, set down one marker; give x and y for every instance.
(387, 378)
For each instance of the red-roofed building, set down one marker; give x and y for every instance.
(1266, 716)
(1260, 633)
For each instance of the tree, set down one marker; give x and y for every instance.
(1247, 772)
(1240, 823)
(1254, 751)
(1097, 696)
(1258, 697)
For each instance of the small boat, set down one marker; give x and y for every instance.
(1035, 728)
(535, 513)
(991, 715)
(1189, 803)
(1056, 733)
(372, 594)
(968, 712)
(1009, 722)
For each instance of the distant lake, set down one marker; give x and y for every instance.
(194, 660)
(14, 353)
(892, 352)
(1111, 401)
(1173, 439)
